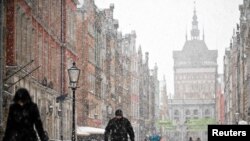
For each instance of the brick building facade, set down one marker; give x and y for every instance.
(42, 40)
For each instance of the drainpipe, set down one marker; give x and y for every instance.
(62, 65)
(1, 60)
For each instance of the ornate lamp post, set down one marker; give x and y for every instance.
(74, 73)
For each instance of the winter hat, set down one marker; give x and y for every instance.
(118, 112)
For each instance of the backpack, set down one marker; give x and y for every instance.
(120, 129)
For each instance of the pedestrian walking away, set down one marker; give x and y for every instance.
(22, 118)
(190, 139)
(119, 128)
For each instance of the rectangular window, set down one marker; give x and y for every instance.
(46, 58)
(29, 40)
(91, 79)
(91, 54)
(23, 40)
(54, 67)
(91, 30)
(18, 33)
(40, 54)
(40, 8)
(97, 49)
(34, 6)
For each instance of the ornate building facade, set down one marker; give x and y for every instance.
(236, 72)
(195, 81)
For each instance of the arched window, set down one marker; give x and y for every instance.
(177, 116)
(196, 112)
(176, 113)
(207, 112)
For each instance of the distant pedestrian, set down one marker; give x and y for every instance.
(155, 137)
(23, 117)
(190, 139)
(119, 128)
(198, 139)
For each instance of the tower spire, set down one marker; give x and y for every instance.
(203, 34)
(186, 35)
(195, 32)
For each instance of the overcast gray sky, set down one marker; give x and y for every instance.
(161, 26)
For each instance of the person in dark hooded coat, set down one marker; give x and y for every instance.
(119, 128)
(23, 117)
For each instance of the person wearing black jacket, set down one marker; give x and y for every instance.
(119, 128)
(23, 117)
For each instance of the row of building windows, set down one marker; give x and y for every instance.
(190, 112)
(33, 44)
(196, 76)
(195, 87)
(195, 62)
(48, 12)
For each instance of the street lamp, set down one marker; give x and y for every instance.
(74, 73)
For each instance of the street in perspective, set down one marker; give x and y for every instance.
(123, 70)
